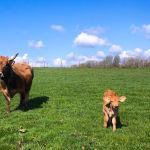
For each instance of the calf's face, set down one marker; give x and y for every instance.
(114, 103)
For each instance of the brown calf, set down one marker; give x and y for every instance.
(110, 107)
(15, 78)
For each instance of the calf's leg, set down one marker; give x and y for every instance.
(114, 123)
(106, 118)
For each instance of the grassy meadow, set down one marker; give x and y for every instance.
(65, 111)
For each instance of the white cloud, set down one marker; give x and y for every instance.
(146, 29)
(115, 49)
(136, 53)
(100, 54)
(71, 56)
(72, 59)
(39, 44)
(147, 54)
(83, 59)
(138, 50)
(38, 62)
(125, 54)
(58, 62)
(36, 44)
(95, 30)
(58, 28)
(23, 58)
(88, 40)
(41, 59)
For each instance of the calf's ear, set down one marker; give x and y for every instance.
(122, 98)
(11, 60)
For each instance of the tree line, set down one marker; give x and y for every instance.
(116, 62)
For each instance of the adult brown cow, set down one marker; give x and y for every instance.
(15, 78)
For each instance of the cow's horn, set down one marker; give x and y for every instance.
(10, 59)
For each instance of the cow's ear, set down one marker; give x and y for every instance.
(106, 100)
(11, 60)
(122, 98)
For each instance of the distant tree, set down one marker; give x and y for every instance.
(108, 61)
(116, 61)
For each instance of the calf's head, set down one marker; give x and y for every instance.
(114, 102)
(6, 66)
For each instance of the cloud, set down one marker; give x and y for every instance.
(134, 28)
(124, 54)
(100, 54)
(59, 62)
(147, 54)
(23, 58)
(83, 59)
(71, 56)
(41, 59)
(144, 29)
(89, 40)
(136, 53)
(115, 49)
(36, 44)
(72, 59)
(38, 62)
(57, 28)
(138, 50)
(95, 30)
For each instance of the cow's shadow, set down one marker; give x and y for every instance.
(34, 103)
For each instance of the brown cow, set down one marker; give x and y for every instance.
(15, 78)
(110, 107)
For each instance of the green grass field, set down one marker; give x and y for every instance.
(65, 111)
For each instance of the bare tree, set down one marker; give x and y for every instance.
(116, 61)
(108, 61)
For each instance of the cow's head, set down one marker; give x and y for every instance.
(114, 102)
(6, 66)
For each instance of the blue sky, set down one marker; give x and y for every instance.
(72, 31)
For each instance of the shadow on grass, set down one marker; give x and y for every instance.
(119, 124)
(34, 103)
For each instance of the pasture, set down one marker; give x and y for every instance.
(65, 111)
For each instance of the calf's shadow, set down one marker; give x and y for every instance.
(118, 125)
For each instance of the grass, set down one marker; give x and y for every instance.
(65, 111)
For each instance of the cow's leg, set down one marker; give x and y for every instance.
(106, 118)
(22, 100)
(26, 98)
(7, 97)
(114, 123)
